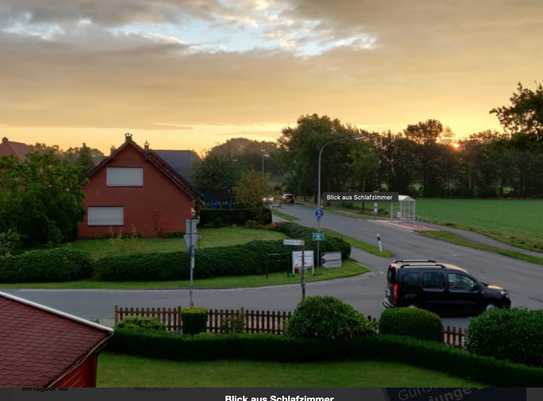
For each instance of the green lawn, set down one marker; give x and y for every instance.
(209, 237)
(356, 243)
(283, 215)
(517, 222)
(350, 268)
(458, 240)
(118, 370)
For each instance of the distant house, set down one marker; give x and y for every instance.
(17, 149)
(136, 191)
(42, 347)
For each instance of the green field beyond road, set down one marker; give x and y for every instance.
(117, 370)
(517, 222)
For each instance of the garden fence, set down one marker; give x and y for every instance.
(246, 320)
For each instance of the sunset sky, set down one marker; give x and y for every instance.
(192, 73)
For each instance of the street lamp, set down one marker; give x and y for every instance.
(264, 156)
(358, 138)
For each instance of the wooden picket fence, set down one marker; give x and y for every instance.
(249, 321)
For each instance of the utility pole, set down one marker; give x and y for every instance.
(191, 238)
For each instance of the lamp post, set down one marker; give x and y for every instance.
(264, 156)
(358, 138)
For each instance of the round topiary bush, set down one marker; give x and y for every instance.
(327, 318)
(137, 322)
(514, 334)
(411, 322)
(194, 320)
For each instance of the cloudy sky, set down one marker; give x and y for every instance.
(192, 73)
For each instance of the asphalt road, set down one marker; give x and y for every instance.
(364, 292)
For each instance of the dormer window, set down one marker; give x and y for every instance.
(124, 177)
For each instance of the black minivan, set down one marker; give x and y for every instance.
(440, 287)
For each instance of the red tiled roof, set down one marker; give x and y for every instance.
(38, 345)
(17, 149)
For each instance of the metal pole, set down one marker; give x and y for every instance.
(191, 272)
(319, 203)
(302, 273)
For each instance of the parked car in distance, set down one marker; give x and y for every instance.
(440, 287)
(288, 198)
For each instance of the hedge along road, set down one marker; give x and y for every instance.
(364, 292)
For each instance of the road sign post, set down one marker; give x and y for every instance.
(380, 243)
(301, 243)
(319, 212)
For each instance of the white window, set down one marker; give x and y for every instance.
(124, 177)
(105, 216)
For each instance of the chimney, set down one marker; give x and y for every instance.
(146, 146)
(112, 150)
(4, 140)
(128, 137)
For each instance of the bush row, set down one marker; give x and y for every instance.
(64, 264)
(228, 217)
(331, 244)
(255, 257)
(425, 354)
(59, 264)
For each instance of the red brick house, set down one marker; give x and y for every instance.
(41, 347)
(135, 191)
(17, 149)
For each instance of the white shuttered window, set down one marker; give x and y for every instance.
(124, 177)
(105, 216)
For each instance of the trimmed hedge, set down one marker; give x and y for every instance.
(331, 244)
(46, 265)
(238, 216)
(255, 257)
(138, 323)
(425, 354)
(514, 334)
(411, 322)
(194, 320)
(327, 318)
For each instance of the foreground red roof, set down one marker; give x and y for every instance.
(39, 346)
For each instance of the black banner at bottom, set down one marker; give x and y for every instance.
(269, 394)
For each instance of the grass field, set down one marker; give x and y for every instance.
(117, 370)
(517, 222)
(209, 237)
(453, 238)
(350, 268)
(283, 215)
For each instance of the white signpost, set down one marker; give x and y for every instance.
(331, 259)
(307, 263)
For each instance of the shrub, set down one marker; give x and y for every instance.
(159, 266)
(331, 244)
(137, 322)
(255, 257)
(513, 334)
(59, 264)
(233, 324)
(238, 216)
(411, 322)
(266, 347)
(194, 320)
(327, 318)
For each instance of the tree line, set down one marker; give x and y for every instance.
(424, 159)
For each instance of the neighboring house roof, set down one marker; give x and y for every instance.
(39, 345)
(182, 161)
(17, 149)
(153, 158)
